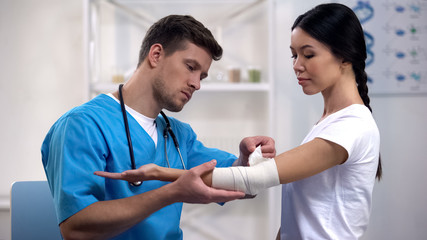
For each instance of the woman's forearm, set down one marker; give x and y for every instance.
(167, 174)
(172, 174)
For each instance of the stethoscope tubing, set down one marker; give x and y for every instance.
(125, 120)
(167, 130)
(129, 139)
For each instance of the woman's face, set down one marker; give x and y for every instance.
(315, 67)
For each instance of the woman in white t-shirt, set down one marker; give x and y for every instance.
(330, 177)
(327, 180)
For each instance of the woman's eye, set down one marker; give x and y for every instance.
(309, 56)
(294, 56)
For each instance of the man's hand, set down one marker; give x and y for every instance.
(191, 188)
(249, 144)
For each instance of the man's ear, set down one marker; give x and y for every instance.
(155, 54)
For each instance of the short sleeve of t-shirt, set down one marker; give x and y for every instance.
(352, 128)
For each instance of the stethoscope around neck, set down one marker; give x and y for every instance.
(167, 130)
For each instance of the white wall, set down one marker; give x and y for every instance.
(41, 76)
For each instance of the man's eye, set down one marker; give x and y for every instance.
(191, 68)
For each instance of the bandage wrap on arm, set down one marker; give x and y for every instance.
(249, 180)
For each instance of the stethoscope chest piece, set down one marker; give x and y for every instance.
(136, 184)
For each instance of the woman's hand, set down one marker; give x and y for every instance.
(143, 173)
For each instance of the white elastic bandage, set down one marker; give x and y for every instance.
(249, 180)
(256, 157)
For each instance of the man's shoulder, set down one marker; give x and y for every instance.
(98, 109)
(101, 104)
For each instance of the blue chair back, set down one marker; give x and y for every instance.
(32, 211)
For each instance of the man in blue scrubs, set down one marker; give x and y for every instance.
(175, 56)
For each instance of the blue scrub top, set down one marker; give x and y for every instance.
(92, 138)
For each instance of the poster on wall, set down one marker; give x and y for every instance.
(396, 40)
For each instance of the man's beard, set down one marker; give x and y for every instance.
(162, 97)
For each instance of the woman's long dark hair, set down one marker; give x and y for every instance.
(338, 27)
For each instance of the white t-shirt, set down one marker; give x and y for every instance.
(148, 124)
(336, 203)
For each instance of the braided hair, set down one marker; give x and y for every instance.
(338, 27)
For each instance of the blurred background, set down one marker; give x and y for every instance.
(58, 54)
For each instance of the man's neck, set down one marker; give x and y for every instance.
(137, 94)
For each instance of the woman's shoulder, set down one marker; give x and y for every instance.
(355, 112)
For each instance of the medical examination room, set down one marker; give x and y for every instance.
(59, 54)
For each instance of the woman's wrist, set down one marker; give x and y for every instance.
(165, 174)
(157, 173)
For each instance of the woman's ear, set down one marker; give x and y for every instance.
(155, 54)
(346, 65)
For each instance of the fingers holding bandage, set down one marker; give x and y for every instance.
(261, 174)
(249, 144)
(256, 157)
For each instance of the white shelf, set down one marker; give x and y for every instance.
(105, 87)
(4, 203)
(246, 87)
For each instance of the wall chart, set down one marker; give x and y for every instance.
(396, 40)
